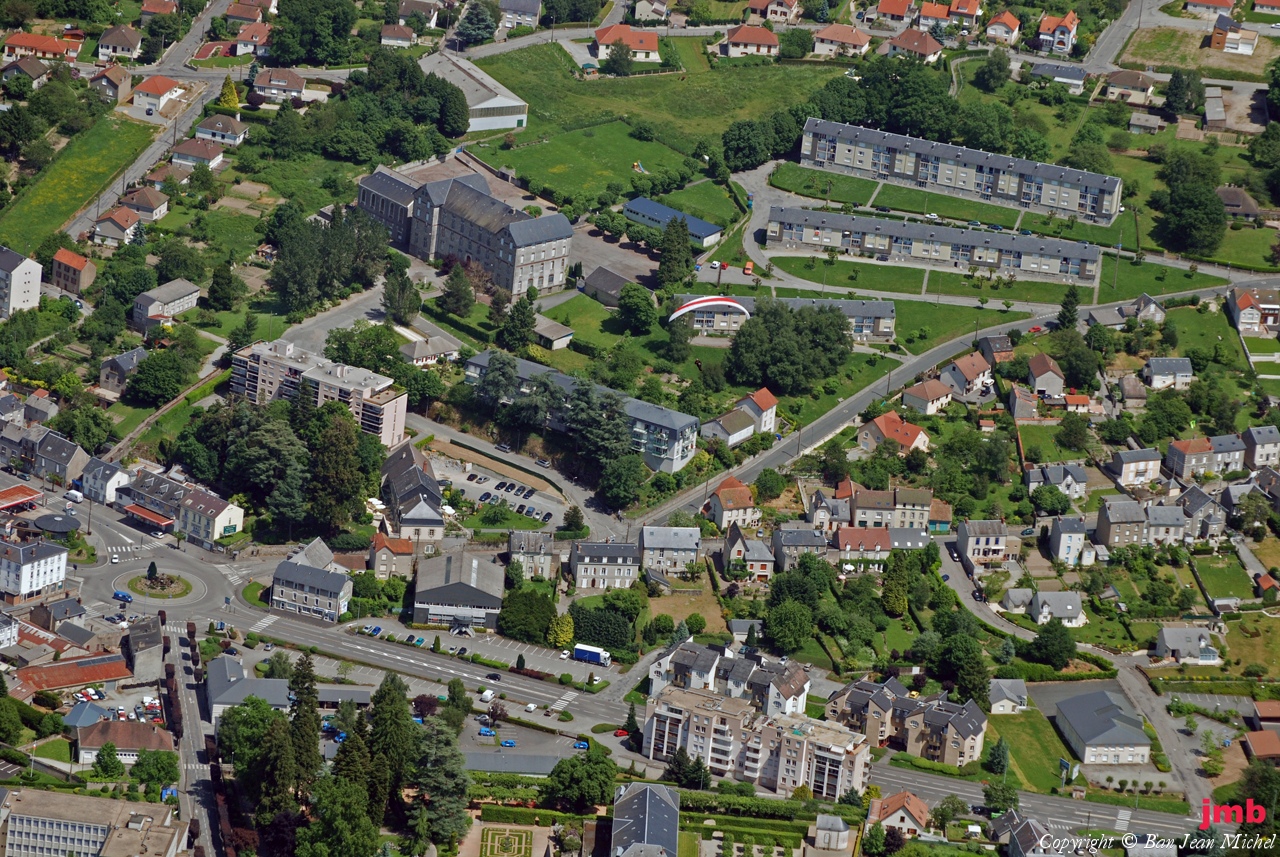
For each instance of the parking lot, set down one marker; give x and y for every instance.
(1047, 695)
(485, 486)
(1217, 702)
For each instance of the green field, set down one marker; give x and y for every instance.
(591, 320)
(511, 521)
(76, 176)
(1247, 246)
(948, 283)
(1044, 438)
(1034, 748)
(1224, 577)
(944, 322)
(922, 202)
(59, 750)
(1204, 331)
(128, 417)
(706, 200)
(683, 107)
(693, 55)
(581, 163)
(1131, 280)
(820, 184)
(270, 312)
(862, 276)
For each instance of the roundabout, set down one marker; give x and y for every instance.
(168, 587)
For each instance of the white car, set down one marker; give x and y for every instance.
(715, 266)
(1275, 26)
(932, 217)
(115, 560)
(533, 706)
(564, 656)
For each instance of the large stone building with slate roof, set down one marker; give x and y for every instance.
(1102, 729)
(458, 589)
(309, 592)
(929, 727)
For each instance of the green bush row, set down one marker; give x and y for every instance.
(523, 815)
(968, 770)
(773, 825)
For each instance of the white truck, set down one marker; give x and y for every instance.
(74, 496)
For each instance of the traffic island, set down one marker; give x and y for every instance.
(161, 586)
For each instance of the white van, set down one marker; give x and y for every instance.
(487, 696)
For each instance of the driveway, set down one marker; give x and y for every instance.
(623, 257)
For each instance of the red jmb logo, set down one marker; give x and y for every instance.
(1231, 813)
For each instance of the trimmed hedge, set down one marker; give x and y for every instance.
(969, 769)
(522, 815)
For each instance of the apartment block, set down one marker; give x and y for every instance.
(604, 565)
(780, 753)
(163, 303)
(929, 727)
(925, 244)
(266, 371)
(19, 282)
(54, 824)
(959, 171)
(982, 543)
(31, 569)
(1128, 522)
(772, 687)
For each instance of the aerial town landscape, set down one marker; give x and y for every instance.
(639, 428)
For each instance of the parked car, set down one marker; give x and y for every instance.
(581, 745)
(471, 477)
(564, 656)
(1029, 531)
(509, 742)
(503, 447)
(501, 486)
(715, 266)
(486, 732)
(533, 706)
(520, 509)
(620, 733)
(883, 209)
(510, 488)
(486, 497)
(377, 630)
(546, 518)
(462, 651)
(528, 494)
(531, 512)
(543, 462)
(945, 578)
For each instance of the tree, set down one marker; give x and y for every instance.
(618, 60)
(391, 729)
(458, 297)
(676, 262)
(697, 623)
(636, 309)
(179, 261)
(517, 328)
(400, 297)
(1050, 500)
(795, 43)
(1194, 219)
(1068, 314)
(337, 483)
(106, 764)
(339, 821)
(229, 99)
(993, 73)
(418, 839)
(1000, 797)
(874, 841)
(679, 334)
(946, 810)
(1073, 432)
(305, 724)
(573, 519)
(893, 841)
(1053, 645)
(998, 759)
(632, 724)
(225, 289)
(276, 773)
(244, 333)
(526, 615)
(158, 379)
(498, 303)
(560, 631)
(1185, 92)
(747, 144)
(769, 485)
(580, 782)
(789, 626)
(621, 479)
(514, 574)
(476, 26)
(442, 778)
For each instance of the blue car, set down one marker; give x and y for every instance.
(377, 631)
(508, 743)
(421, 641)
(581, 745)
(486, 732)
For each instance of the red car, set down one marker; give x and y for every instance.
(620, 733)
(1036, 329)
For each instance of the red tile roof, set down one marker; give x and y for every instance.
(915, 807)
(934, 10)
(1011, 21)
(733, 494)
(635, 40)
(1266, 581)
(1043, 364)
(744, 35)
(1076, 400)
(965, 7)
(159, 7)
(75, 672)
(120, 216)
(389, 31)
(71, 260)
(898, 8)
(763, 399)
(260, 34)
(1192, 446)
(894, 427)
(158, 85)
(244, 12)
(916, 42)
(403, 547)
(1049, 23)
(148, 515)
(863, 539)
(125, 734)
(846, 35)
(1264, 744)
(38, 42)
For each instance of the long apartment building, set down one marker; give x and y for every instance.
(1031, 256)
(54, 824)
(772, 687)
(780, 752)
(460, 217)
(266, 371)
(666, 438)
(723, 316)
(929, 727)
(957, 170)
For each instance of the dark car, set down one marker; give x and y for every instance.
(471, 477)
(509, 488)
(883, 209)
(493, 677)
(995, 226)
(883, 257)
(520, 509)
(546, 519)
(945, 578)
(977, 595)
(528, 494)
(462, 651)
(501, 486)
(486, 497)
(1024, 231)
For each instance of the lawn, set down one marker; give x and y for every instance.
(943, 322)
(1258, 345)
(849, 275)
(582, 163)
(947, 283)
(59, 750)
(81, 170)
(1224, 577)
(300, 178)
(1166, 48)
(820, 184)
(1262, 649)
(510, 521)
(271, 314)
(1270, 386)
(1247, 246)
(253, 594)
(1034, 748)
(923, 202)
(1096, 496)
(698, 105)
(693, 54)
(1204, 330)
(127, 417)
(1131, 280)
(706, 200)
(589, 319)
(1044, 438)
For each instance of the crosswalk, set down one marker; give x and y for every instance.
(263, 623)
(1122, 819)
(230, 573)
(124, 549)
(563, 702)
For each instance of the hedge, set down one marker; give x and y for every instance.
(969, 769)
(771, 824)
(207, 387)
(523, 815)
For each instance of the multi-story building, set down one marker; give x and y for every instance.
(157, 499)
(890, 426)
(537, 552)
(114, 371)
(310, 592)
(780, 753)
(1128, 522)
(722, 316)
(1134, 467)
(754, 554)
(771, 686)
(1228, 452)
(163, 303)
(1254, 310)
(266, 371)
(960, 171)
(54, 824)
(604, 565)
(929, 727)
(1070, 479)
(387, 197)
(903, 508)
(204, 517)
(42, 452)
(31, 569)
(1206, 519)
(1261, 447)
(413, 499)
(72, 272)
(1058, 34)
(793, 540)
(667, 439)
(459, 217)
(669, 549)
(1069, 542)
(1160, 373)
(102, 479)
(390, 556)
(982, 543)
(968, 375)
(732, 503)
(19, 282)
(458, 590)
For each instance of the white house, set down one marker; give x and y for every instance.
(968, 374)
(1063, 606)
(155, 92)
(19, 282)
(1007, 695)
(732, 503)
(927, 397)
(762, 407)
(1192, 646)
(1070, 479)
(1163, 372)
(1069, 542)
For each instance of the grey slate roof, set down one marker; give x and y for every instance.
(523, 7)
(1062, 605)
(171, 291)
(646, 821)
(336, 693)
(316, 554)
(1016, 597)
(976, 157)
(1055, 474)
(1103, 717)
(128, 361)
(146, 633)
(66, 608)
(539, 230)
(392, 185)
(9, 260)
(799, 537)
(1124, 511)
(448, 579)
(84, 714)
(1006, 242)
(1067, 72)
(851, 309)
(225, 684)
(98, 470)
(986, 528)
(77, 634)
(1166, 516)
(612, 553)
(1185, 640)
(1170, 366)
(670, 538)
(1069, 525)
(29, 552)
(1129, 456)
(1013, 689)
(1225, 443)
(742, 626)
(1258, 435)
(317, 578)
(604, 280)
(646, 207)
(906, 538)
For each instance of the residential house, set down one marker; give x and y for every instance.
(1206, 519)
(1073, 77)
(827, 513)
(604, 565)
(43, 452)
(156, 499)
(840, 40)
(1134, 467)
(167, 172)
(996, 349)
(1070, 479)
(151, 8)
(491, 105)
(1160, 373)
(31, 569)
(1231, 37)
(278, 84)
(114, 372)
(255, 40)
(794, 539)
(1103, 729)
(741, 629)
(29, 67)
(311, 593)
(651, 10)
(39, 407)
(862, 549)
(1145, 123)
(1007, 695)
(605, 286)
(1144, 309)
(71, 272)
(1165, 525)
(100, 481)
(646, 821)
(243, 13)
(1228, 453)
(223, 130)
(762, 407)
(928, 397)
(968, 375)
(148, 203)
(903, 812)
(412, 497)
(1211, 8)
(144, 649)
(1262, 447)
(21, 45)
(643, 210)
(163, 303)
(1027, 837)
(12, 411)
(1069, 542)
(982, 543)
(205, 517)
(1058, 34)
(1023, 404)
(894, 10)
(940, 517)
(912, 44)
(113, 83)
(396, 36)
(50, 615)
(754, 555)
(965, 13)
(1004, 28)
(732, 503)
(1132, 87)
(520, 13)
(226, 685)
(537, 552)
(642, 44)
(1066, 607)
(1044, 377)
(458, 589)
(1192, 646)
(777, 11)
(1254, 310)
(1238, 203)
(19, 282)
(156, 92)
(195, 152)
(1121, 523)
(121, 41)
(932, 14)
(427, 9)
(435, 350)
(669, 549)
(551, 334)
(891, 426)
(743, 41)
(929, 727)
(773, 687)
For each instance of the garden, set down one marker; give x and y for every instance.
(1224, 576)
(821, 184)
(1034, 748)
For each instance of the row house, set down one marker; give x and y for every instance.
(42, 452)
(1200, 455)
(604, 565)
(535, 551)
(1205, 517)
(390, 556)
(31, 569)
(929, 727)
(793, 540)
(1127, 522)
(869, 548)
(669, 549)
(745, 557)
(1069, 542)
(310, 593)
(732, 503)
(780, 753)
(970, 173)
(771, 687)
(1261, 447)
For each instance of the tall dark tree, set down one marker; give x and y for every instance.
(1053, 645)
(340, 822)
(636, 308)
(305, 724)
(391, 731)
(400, 297)
(1069, 313)
(517, 328)
(459, 296)
(676, 262)
(277, 772)
(337, 485)
(441, 776)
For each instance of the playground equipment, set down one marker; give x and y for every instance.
(639, 167)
